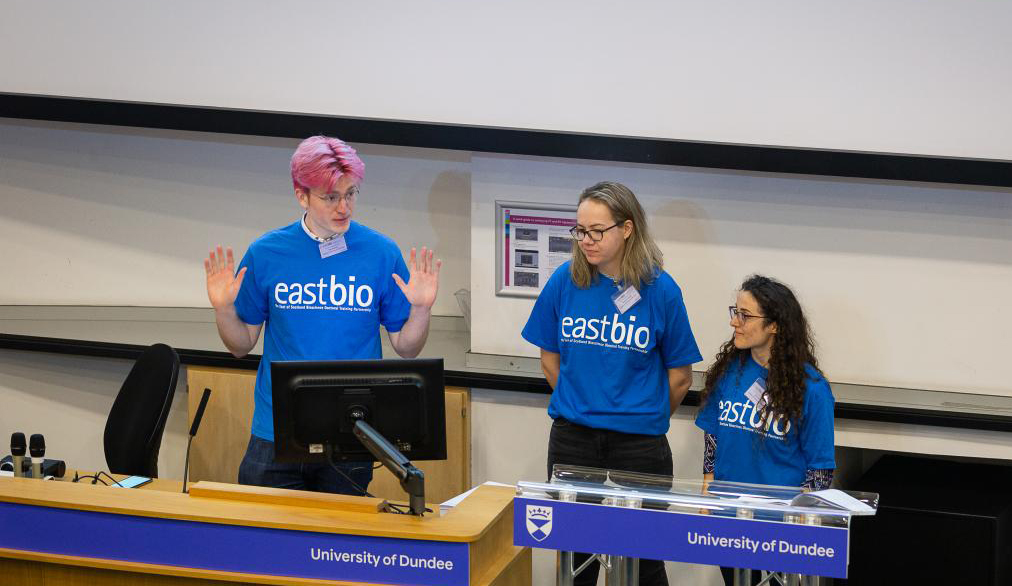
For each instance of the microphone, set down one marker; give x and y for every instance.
(37, 448)
(18, 447)
(200, 412)
(193, 432)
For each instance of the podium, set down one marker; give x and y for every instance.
(59, 532)
(786, 535)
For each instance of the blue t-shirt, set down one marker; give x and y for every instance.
(318, 308)
(614, 366)
(783, 453)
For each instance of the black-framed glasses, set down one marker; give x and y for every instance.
(332, 199)
(739, 314)
(579, 233)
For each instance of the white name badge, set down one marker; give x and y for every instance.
(335, 245)
(757, 393)
(625, 299)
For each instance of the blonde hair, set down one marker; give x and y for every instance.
(641, 258)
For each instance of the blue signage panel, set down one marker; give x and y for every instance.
(682, 537)
(232, 548)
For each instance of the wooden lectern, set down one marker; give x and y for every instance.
(61, 532)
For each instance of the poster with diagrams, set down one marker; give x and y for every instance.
(532, 240)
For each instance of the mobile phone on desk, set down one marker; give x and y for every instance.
(133, 481)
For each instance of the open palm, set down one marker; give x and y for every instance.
(222, 281)
(423, 278)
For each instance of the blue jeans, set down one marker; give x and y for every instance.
(577, 445)
(258, 468)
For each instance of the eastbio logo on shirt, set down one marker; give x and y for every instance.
(336, 296)
(743, 415)
(608, 331)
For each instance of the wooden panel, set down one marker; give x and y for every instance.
(518, 570)
(75, 572)
(444, 479)
(38, 570)
(491, 554)
(224, 432)
(22, 572)
(281, 496)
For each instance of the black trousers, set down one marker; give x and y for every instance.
(578, 445)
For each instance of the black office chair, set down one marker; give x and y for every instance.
(133, 432)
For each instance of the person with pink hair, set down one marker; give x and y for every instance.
(323, 286)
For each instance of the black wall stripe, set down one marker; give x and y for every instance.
(511, 141)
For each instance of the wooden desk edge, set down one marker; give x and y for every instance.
(280, 496)
(466, 523)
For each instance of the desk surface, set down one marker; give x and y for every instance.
(465, 523)
(162, 484)
(120, 332)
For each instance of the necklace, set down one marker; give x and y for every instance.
(613, 279)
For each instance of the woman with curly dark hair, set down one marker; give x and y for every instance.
(768, 410)
(767, 415)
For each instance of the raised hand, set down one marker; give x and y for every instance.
(222, 281)
(423, 279)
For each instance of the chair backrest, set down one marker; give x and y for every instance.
(133, 432)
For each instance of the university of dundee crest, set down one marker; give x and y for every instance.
(539, 522)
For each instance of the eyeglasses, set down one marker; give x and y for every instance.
(333, 199)
(579, 233)
(739, 314)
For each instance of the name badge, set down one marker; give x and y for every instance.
(335, 245)
(625, 299)
(757, 393)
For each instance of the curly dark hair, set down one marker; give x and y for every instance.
(793, 348)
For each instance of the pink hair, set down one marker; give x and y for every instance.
(320, 161)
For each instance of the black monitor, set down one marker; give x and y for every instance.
(317, 404)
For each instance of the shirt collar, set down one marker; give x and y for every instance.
(305, 228)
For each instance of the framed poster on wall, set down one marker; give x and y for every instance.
(532, 240)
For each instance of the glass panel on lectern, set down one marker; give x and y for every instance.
(650, 491)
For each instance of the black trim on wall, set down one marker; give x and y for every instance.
(477, 380)
(511, 141)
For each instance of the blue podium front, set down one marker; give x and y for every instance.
(775, 529)
(240, 549)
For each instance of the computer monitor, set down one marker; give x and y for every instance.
(317, 403)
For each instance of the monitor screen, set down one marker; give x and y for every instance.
(316, 405)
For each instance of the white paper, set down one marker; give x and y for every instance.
(842, 500)
(449, 504)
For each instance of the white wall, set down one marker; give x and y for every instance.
(101, 215)
(67, 399)
(907, 76)
(905, 284)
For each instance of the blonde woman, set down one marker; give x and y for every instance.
(616, 347)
